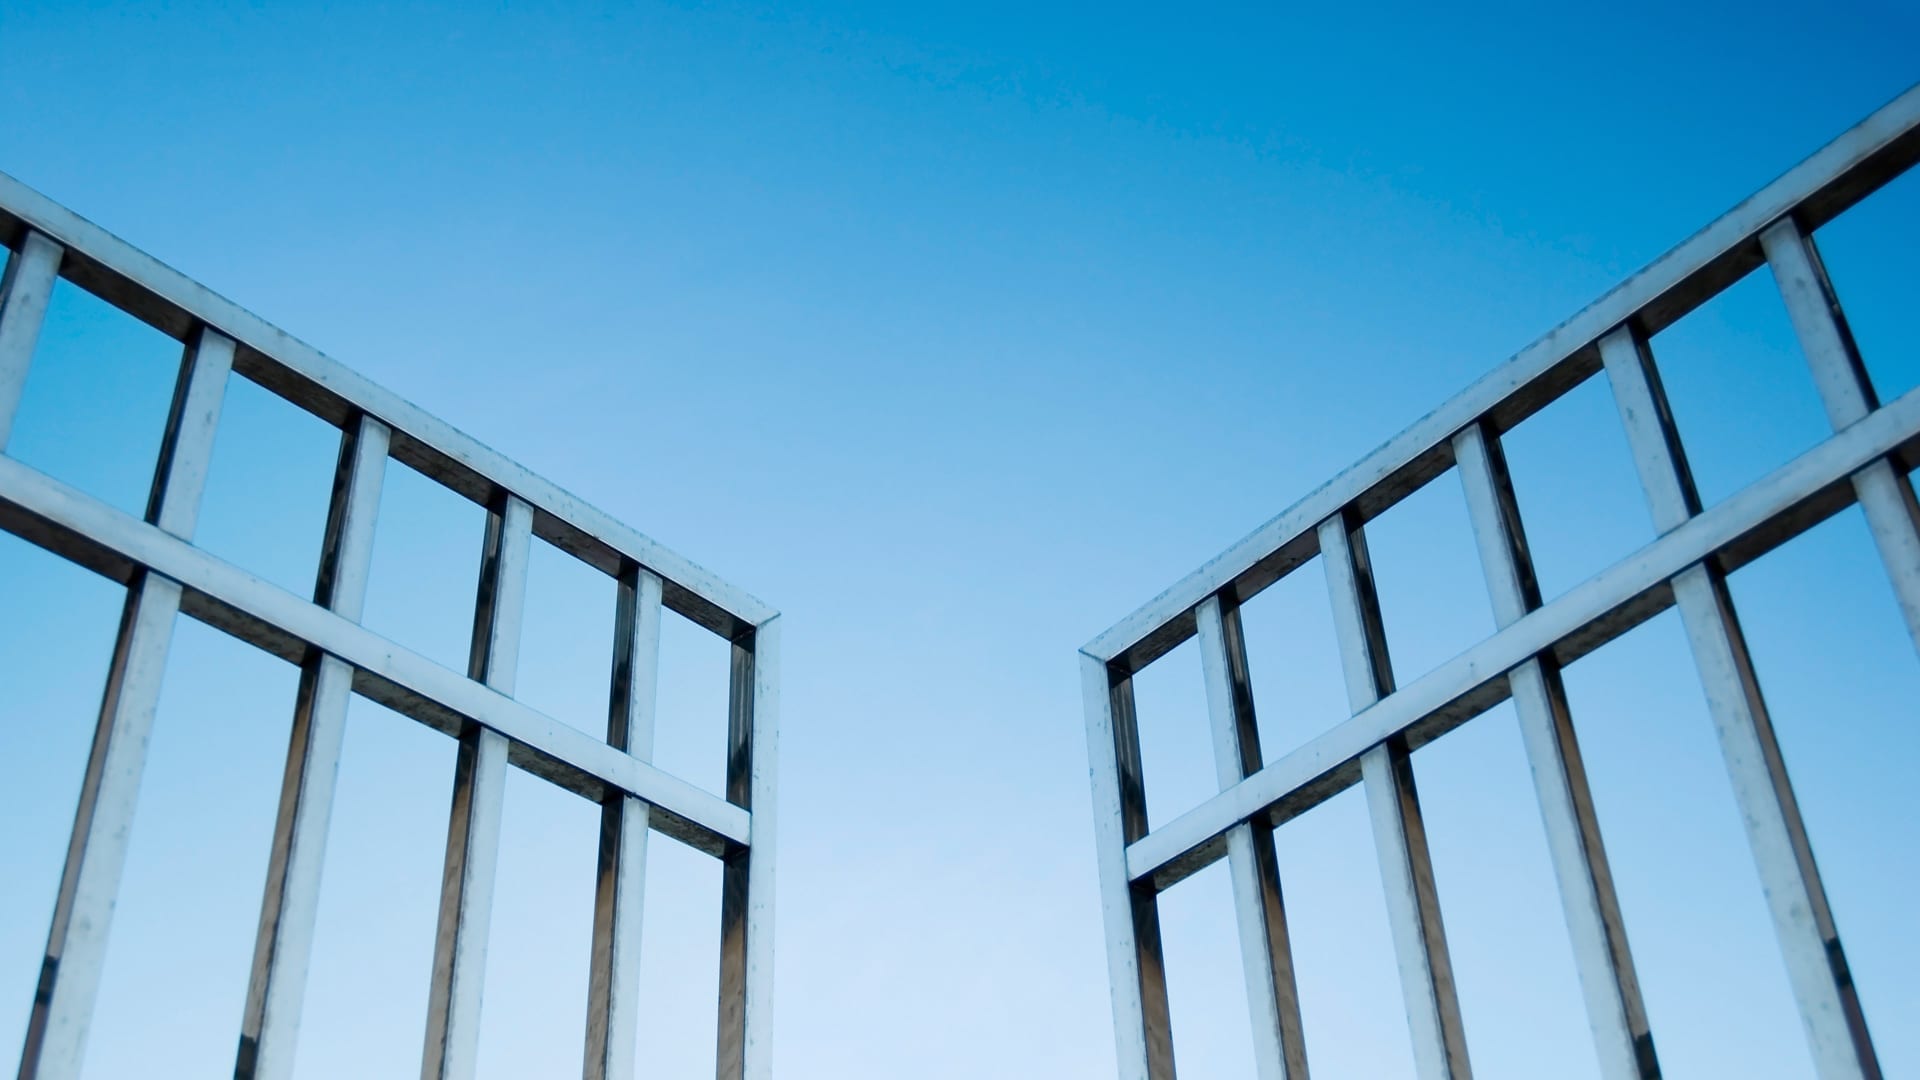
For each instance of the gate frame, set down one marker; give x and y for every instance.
(166, 574)
(1866, 460)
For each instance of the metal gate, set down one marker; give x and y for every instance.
(1865, 461)
(166, 575)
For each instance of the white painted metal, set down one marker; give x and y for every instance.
(1266, 950)
(689, 813)
(1393, 804)
(1676, 271)
(746, 915)
(83, 910)
(466, 907)
(1816, 964)
(25, 288)
(479, 792)
(137, 281)
(1143, 1039)
(186, 451)
(168, 575)
(1865, 461)
(1652, 435)
(284, 945)
(1599, 937)
(103, 823)
(1885, 495)
(614, 983)
(1634, 582)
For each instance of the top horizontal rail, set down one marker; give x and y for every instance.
(1814, 192)
(150, 290)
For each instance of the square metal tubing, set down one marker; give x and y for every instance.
(167, 575)
(1867, 460)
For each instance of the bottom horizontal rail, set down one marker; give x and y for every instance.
(69, 523)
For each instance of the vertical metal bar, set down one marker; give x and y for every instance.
(186, 450)
(1886, 496)
(479, 788)
(1142, 1030)
(25, 288)
(103, 822)
(1266, 950)
(1364, 659)
(614, 982)
(1816, 964)
(1400, 838)
(500, 606)
(283, 945)
(1654, 440)
(96, 855)
(1615, 1011)
(745, 1050)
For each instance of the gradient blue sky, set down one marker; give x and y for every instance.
(954, 333)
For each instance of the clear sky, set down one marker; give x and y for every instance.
(953, 332)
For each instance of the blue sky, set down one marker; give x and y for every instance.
(954, 333)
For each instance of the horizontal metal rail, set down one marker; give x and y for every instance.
(1814, 192)
(143, 286)
(79, 526)
(167, 575)
(1866, 461)
(1600, 609)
